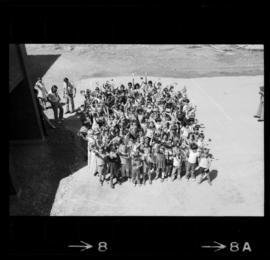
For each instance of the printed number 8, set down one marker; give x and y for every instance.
(102, 246)
(234, 247)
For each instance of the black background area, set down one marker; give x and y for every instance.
(189, 22)
(136, 235)
(119, 22)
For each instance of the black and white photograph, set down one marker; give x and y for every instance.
(136, 129)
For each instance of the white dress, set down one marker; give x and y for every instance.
(92, 158)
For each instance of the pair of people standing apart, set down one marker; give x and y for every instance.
(69, 93)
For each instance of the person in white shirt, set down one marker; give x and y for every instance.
(185, 131)
(44, 117)
(42, 93)
(203, 168)
(100, 163)
(69, 93)
(192, 158)
(55, 99)
(186, 106)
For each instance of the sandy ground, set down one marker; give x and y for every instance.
(180, 61)
(226, 106)
(222, 82)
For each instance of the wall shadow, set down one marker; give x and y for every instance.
(38, 65)
(39, 169)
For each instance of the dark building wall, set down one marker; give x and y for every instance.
(15, 67)
(23, 123)
(24, 116)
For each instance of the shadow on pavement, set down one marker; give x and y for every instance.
(213, 174)
(39, 168)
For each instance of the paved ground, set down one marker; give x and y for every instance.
(226, 106)
(38, 168)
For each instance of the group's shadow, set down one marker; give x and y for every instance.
(212, 175)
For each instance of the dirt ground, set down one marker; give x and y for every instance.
(224, 86)
(180, 61)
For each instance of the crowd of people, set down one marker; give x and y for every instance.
(141, 132)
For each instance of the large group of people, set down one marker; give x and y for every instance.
(141, 132)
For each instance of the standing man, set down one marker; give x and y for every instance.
(55, 99)
(260, 111)
(69, 93)
(42, 92)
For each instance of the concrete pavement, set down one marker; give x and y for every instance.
(226, 106)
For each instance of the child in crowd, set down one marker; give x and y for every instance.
(178, 159)
(101, 163)
(192, 158)
(204, 166)
(160, 163)
(136, 167)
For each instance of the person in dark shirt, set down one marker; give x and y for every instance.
(55, 100)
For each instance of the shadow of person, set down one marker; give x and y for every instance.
(213, 174)
(196, 173)
(183, 170)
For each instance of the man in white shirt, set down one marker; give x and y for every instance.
(42, 92)
(192, 157)
(69, 93)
